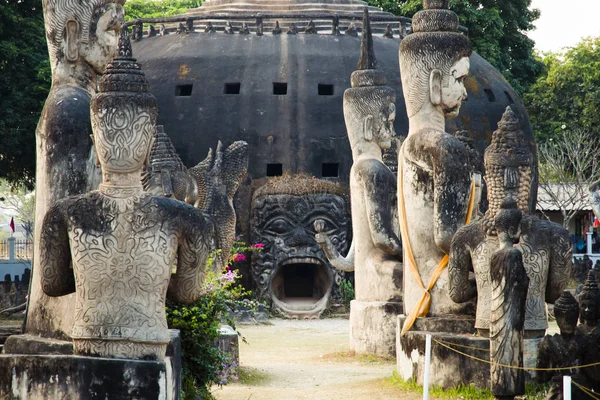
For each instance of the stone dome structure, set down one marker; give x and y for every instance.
(282, 93)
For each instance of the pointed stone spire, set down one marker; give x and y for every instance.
(367, 58)
(123, 73)
(508, 147)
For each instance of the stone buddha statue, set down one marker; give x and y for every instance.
(509, 284)
(589, 303)
(434, 178)
(546, 246)
(562, 350)
(82, 39)
(376, 251)
(121, 250)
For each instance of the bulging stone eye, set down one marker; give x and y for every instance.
(319, 225)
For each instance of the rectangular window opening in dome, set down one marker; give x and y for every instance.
(325, 89)
(280, 88)
(509, 97)
(330, 170)
(183, 90)
(490, 95)
(274, 169)
(232, 88)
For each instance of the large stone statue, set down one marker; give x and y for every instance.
(509, 284)
(166, 175)
(82, 39)
(434, 179)
(116, 247)
(375, 256)
(563, 350)
(291, 273)
(546, 246)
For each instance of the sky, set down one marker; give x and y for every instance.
(564, 23)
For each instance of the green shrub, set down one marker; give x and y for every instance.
(347, 292)
(203, 364)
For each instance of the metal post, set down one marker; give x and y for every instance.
(589, 242)
(11, 248)
(566, 387)
(427, 363)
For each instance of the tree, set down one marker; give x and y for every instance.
(135, 9)
(567, 95)
(497, 29)
(24, 84)
(567, 168)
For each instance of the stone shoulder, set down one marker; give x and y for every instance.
(469, 235)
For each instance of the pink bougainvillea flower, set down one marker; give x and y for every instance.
(257, 246)
(239, 257)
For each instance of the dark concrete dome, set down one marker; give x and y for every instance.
(283, 93)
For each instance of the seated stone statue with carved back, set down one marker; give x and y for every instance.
(376, 251)
(434, 178)
(563, 350)
(123, 243)
(545, 245)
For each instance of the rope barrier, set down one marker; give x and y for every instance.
(478, 348)
(586, 390)
(513, 366)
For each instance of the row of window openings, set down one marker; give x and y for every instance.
(328, 170)
(279, 89)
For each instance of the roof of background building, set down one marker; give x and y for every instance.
(570, 196)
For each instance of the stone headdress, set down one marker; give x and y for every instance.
(590, 291)
(434, 44)
(58, 12)
(566, 305)
(123, 113)
(369, 94)
(508, 165)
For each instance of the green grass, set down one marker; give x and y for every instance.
(253, 376)
(468, 392)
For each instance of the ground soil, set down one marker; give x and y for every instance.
(308, 359)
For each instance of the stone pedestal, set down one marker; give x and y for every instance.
(373, 327)
(228, 343)
(32, 367)
(75, 377)
(449, 368)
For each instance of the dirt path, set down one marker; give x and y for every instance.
(297, 360)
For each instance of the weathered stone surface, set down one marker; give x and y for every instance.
(434, 174)
(228, 343)
(509, 284)
(448, 368)
(546, 246)
(83, 378)
(116, 247)
(82, 39)
(33, 344)
(376, 249)
(291, 271)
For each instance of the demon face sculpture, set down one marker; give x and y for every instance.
(291, 273)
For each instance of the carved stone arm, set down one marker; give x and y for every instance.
(379, 189)
(195, 245)
(55, 254)
(561, 264)
(460, 287)
(338, 261)
(444, 157)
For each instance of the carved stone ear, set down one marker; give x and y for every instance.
(368, 128)
(72, 40)
(435, 86)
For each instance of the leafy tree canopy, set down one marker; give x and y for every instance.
(497, 29)
(135, 9)
(567, 95)
(24, 83)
